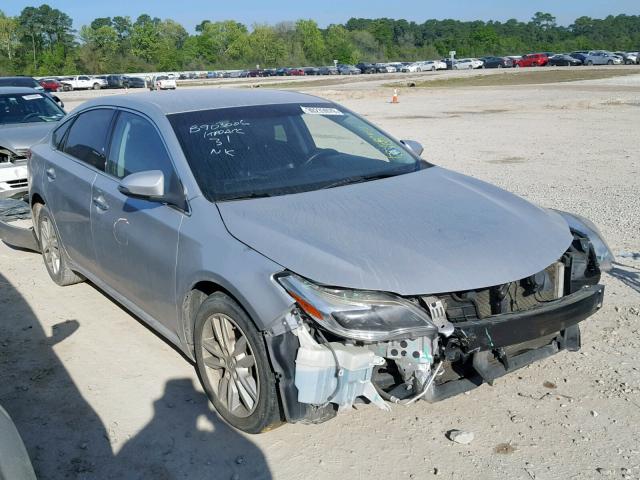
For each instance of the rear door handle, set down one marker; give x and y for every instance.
(51, 174)
(100, 203)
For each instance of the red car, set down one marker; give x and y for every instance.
(296, 71)
(533, 60)
(51, 85)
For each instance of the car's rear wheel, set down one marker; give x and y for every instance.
(96, 86)
(53, 254)
(589, 63)
(233, 366)
(610, 62)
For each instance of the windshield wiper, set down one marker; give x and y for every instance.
(364, 178)
(242, 196)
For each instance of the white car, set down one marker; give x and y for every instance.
(602, 57)
(413, 68)
(83, 82)
(425, 66)
(162, 82)
(431, 65)
(467, 64)
(385, 68)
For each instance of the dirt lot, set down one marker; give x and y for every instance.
(96, 394)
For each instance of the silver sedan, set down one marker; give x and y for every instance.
(302, 258)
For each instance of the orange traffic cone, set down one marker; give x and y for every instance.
(394, 99)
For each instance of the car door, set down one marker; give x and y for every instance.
(84, 82)
(79, 153)
(136, 240)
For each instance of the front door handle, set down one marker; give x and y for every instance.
(51, 174)
(100, 203)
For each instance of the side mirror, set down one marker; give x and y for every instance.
(58, 101)
(414, 146)
(148, 184)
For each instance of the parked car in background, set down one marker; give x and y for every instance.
(467, 64)
(385, 68)
(514, 58)
(348, 70)
(136, 82)
(26, 116)
(235, 252)
(102, 79)
(311, 71)
(255, 73)
(431, 65)
(398, 66)
(628, 58)
(602, 57)
(497, 62)
(162, 82)
(579, 56)
(366, 67)
(296, 71)
(564, 60)
(50, 84)
(83, 82)
(328, 70)
(117, 81)
(269, 72)
(533, 60)
(29, 82)
(282, 72)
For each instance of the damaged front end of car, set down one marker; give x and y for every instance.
(337, 347)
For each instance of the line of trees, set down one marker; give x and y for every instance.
(42, 41)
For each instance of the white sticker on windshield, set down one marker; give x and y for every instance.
(33, 96)
(321, 111)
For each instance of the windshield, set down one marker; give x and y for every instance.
(28, 108)
(279, 149)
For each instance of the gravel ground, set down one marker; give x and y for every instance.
(96, 394)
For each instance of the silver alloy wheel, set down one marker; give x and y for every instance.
(50, 245)
(230, 365)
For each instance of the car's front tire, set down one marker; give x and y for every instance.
(53, 253)
(233, 366)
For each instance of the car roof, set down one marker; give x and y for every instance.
(10, 90)
(189, 100)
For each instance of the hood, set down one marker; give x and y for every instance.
(431, 231)
(20, 136)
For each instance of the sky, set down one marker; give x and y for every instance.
(191, 12)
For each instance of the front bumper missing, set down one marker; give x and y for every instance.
(487, 341)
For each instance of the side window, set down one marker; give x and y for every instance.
(59, 134)
(87, 137)
(136, 146)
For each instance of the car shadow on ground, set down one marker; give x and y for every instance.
(66, 438)
(627, 274)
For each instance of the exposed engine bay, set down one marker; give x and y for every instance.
(473, 337)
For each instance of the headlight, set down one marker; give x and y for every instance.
(357, 314)
(586, 227)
